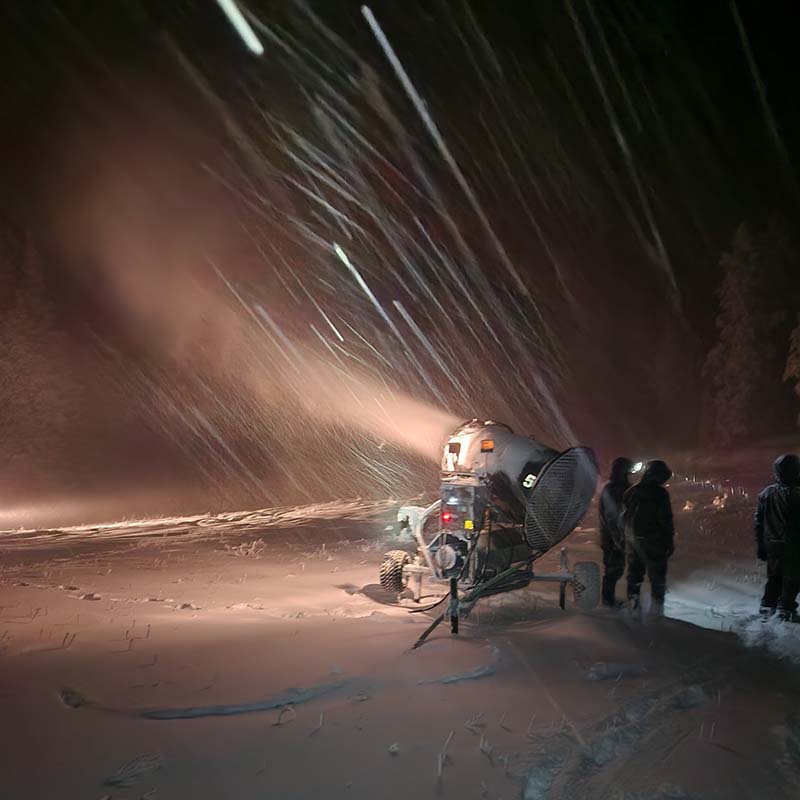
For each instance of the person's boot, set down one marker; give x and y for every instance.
(607, 598)
(610, 601)
(634, 607)
(656, 611)
(766, 612)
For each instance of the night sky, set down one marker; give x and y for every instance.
(614, 148)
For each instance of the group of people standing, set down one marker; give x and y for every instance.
(637, 530)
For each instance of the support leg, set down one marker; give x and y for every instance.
(454, 605)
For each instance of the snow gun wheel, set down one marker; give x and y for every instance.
(391, 572)
(586, 585)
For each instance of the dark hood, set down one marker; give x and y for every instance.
(787, 469)
(657, 472)
(621, 470)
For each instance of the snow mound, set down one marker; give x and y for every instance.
(665, 792)
(283, 517)
(775, 635)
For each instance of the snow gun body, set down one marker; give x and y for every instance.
(505, 500)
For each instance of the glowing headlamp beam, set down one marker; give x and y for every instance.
(242, 26)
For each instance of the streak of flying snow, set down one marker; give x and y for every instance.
(242, 26)
(455, 242)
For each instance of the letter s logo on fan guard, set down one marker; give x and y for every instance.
(529, 481)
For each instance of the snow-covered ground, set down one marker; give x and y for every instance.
(717, 582)
(109, 634)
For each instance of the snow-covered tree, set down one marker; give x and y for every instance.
(777, 296)
(732, 365)
(792, 370)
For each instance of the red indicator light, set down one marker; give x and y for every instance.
(446, 516)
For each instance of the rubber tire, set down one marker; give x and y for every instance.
(391, 573)
(586, 585)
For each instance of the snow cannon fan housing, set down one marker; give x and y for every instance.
(526, 483)
(560, 497)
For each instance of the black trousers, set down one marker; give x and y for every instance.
(781, 590)
(641, 564)
(614, 564)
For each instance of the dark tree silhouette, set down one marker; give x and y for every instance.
(733, 364)
(747, 368)
(791, 372)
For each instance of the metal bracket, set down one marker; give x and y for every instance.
(414, 517)
(415, 573)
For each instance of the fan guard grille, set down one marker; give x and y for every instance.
(560, 497)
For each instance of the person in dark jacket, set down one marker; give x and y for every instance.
(649, 535)
(612, 529)
(777, 529)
